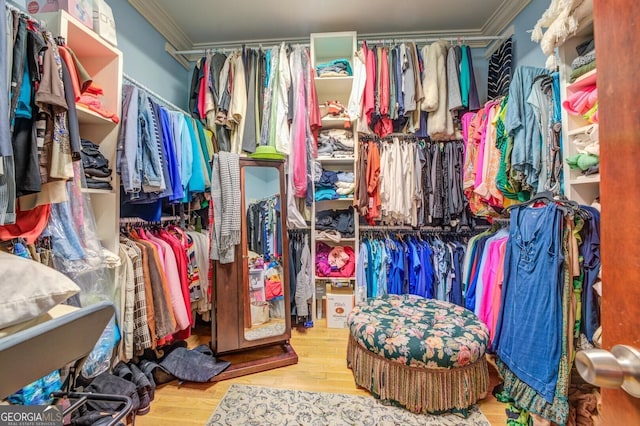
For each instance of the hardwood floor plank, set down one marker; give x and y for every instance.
(321, 367)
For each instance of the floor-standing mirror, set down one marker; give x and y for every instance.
(251, 295)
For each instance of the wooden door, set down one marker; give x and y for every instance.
(617, 36)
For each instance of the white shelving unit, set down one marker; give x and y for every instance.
(326, 47)
(104, 63)
(577, 187)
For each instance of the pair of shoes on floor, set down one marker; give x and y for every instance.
(145, 385)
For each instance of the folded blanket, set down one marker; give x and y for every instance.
(580, 71)
(581, 102)
(583, 60)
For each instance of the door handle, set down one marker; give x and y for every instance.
(619, 368)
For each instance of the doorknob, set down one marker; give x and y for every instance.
(619, 368)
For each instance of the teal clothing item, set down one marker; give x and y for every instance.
(376, 265)
(184, 150)
(202, 137)
(528, 336)
(382, 271)
(337, 65)
(197, 182)
(522, 126)
(369, 271)
(23, 106)
(465, 79)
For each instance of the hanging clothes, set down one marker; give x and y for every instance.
(163, 262)
(433, 171)
(499, 74)
(416, 263)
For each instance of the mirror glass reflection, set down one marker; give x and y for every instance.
(263, 252)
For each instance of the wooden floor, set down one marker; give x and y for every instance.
(321, 367)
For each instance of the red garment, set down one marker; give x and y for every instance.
(373, 183)
(315, 117)
(94, 89)
(272, 288)
(299, 142)
(369, 96)
(181, 258)
(73, 71)
(29, 224)
(204, 86)
(90, 99)
(384, 126)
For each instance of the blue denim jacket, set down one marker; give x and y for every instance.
(129, 158)
(152, 176)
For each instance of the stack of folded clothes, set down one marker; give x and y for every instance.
(336, 220)
(586, 60)
(96, 167)
(91, 99)
(332, 185)
(335, 143)
(335, 68)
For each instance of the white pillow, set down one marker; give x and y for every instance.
(29, 289)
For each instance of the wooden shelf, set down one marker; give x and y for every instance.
(334, 89)
(342, 240)
(336, 200)
(331, 160)
(103, 63)
(335, 278)
(581, 130)
(97, 191)
(584, 180)
(86, 116)
(336, 122)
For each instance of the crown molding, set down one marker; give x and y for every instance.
(161, 21)
(177, 40)
(503, 16)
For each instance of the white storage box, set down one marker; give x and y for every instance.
(80, 9)
(339, 304)
(103, 22)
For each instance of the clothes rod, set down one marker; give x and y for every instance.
(234, 49)
(256, 45)
(153, 94)
(462, 39)
(11, 6)
(125, 220)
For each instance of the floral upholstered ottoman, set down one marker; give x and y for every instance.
(425, 355)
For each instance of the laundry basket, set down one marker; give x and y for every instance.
(259, 312)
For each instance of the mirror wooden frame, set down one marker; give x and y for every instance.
(230, 301)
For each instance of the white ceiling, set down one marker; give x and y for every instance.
(196, 24)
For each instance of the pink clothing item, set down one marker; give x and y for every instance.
(483, 150)
(272, 288)
(480, 157)
(143, 236)
(369, 97)
(173, 278)
(338, 257)
(492, 265)
(299, 132)
(90, 100)
(177, 239)
(466, 122)
(580, 102)
(204, 86)
(384, 126)
(492, 291)
(323, 264)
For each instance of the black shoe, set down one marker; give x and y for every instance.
(159, 374)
